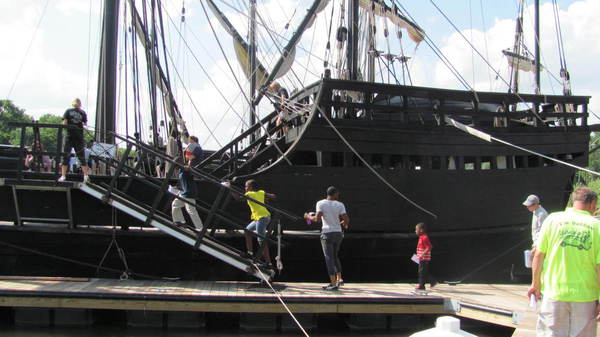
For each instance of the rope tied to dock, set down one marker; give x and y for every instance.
(266, 281)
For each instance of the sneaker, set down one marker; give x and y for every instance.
(340, 283)
(330, 287)
(86, 179)
(419, 288)
(433, 284)
(62, 178)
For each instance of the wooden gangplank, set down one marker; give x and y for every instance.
(504, 305)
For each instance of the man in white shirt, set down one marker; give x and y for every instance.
(539, 215)
(332, 213)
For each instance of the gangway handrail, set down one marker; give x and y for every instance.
(207, 177)
(156, 183)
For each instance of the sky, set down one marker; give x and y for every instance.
(50, 53)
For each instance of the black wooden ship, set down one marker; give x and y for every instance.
(388, 147)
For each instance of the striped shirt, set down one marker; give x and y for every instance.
(423, 245)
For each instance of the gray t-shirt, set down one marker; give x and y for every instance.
(539, 215)
(331, 209)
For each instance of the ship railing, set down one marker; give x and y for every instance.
(37, 146)
(234, 155)
(359, 100)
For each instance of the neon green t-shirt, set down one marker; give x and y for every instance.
(571, 242)
(257, 210)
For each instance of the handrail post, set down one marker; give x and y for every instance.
(59, 146)
(210, 216)
(21, 152)
(113, 181)
(161, 193)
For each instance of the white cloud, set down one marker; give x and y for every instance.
(56, 68)
(582, 52)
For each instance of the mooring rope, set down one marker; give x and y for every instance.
(387, 183)
(280, 300)
(73, 261)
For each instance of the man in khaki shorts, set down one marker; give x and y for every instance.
(566, 269)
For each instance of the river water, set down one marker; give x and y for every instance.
(108, 331)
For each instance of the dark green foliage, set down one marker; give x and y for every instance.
(10, 113)
(10, 135)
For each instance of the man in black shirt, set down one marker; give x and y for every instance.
(75, 118)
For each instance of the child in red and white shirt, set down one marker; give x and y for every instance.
(424, 248)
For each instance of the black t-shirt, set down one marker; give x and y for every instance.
(75, 117)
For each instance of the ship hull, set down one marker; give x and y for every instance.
(494, 256)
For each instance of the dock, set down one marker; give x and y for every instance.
(504, 305)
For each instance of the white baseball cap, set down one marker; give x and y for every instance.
(531, 200)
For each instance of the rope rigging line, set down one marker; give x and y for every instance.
(535, 113)
(271, 30)
(280, 299)
(437, 51)
(324, 115)
(559, 37)
(35, 31)
(240, 87)
(280, 49)
(489, 262)
(216, 87)
(73, 261)
(485, 40)
(212, 28)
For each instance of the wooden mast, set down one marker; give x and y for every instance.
(107, 74)
(252, 65)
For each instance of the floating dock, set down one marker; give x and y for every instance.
(504, 305)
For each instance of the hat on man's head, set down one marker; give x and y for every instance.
(531, 200)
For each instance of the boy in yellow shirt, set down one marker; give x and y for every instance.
(260, 217)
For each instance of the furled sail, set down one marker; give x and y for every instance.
(379, 8)
(241, 47)
(519, 62)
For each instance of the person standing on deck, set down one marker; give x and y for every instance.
(539, 215)
(75, 119)
(424, 248)
(566, 269)
(193, 156)
(283, 113)
(332, 213)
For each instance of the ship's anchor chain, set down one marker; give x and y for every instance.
(126, 274)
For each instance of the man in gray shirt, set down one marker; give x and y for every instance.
(539, 215)
(332, 214)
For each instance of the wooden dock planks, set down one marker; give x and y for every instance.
(485, 302)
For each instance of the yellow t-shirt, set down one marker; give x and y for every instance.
(258, 211)
(571, 242)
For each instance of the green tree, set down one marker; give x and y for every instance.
(48, 135)
(11, 113)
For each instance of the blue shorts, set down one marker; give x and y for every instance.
(260, 226)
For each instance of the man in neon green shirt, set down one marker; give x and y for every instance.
(566, 269)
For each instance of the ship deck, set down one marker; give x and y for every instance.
(499, 304)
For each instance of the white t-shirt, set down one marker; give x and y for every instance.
(331, 209)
